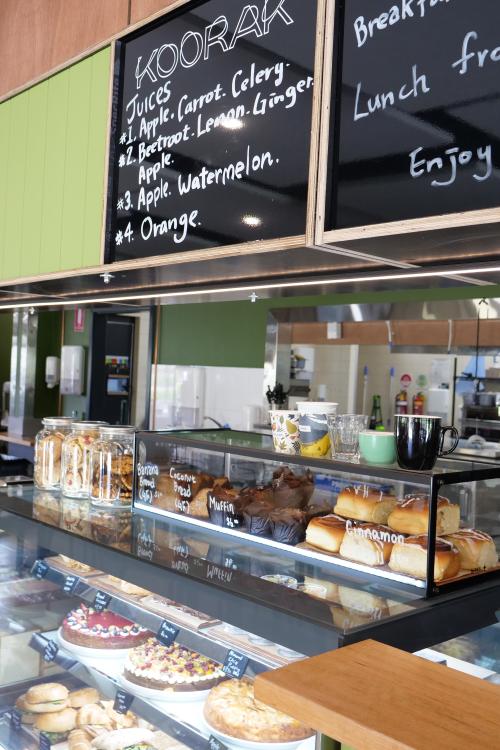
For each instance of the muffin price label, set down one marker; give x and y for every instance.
(50, 652)
(101, 601)
(15, 720)
(215, 744)
(235, 664)
(70, 584)
(44, 742)
(40, 569)
(167, 633)
(123, 701)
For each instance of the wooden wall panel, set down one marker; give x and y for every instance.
(143, 8)
(38, 35)
(52, 161)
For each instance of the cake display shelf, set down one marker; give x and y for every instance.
(104, 675)
(194, 640)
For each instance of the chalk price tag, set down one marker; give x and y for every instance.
(15, 720)
(44, 742)
(235, 664)
(215, 744)
(40, 569)
(167, 633)
(101, 601)
(123, 701)
(70, 584)
(50, 651)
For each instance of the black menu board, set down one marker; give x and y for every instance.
(416, 128)
(211, 127)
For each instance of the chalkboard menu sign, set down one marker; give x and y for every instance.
(211, 127)
(416, 128)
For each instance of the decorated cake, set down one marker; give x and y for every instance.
(86, 627)
(171, 668)
(231, 708)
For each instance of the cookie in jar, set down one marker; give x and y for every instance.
(112, 467)
(48, 451)
(76, 472)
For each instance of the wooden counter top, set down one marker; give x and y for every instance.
(375, 697)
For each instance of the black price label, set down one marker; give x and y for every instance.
(215, 744)
(44, 742)
(101, 601)
(50, 651)
(70, 584)
(40, 569)
(123, 701)
(15, 720)
(235, 664)
(167, 633)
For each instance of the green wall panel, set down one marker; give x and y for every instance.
(52, 165)
(233, 334)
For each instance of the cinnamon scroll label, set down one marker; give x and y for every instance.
(374, 534)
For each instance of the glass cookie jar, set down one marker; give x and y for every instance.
(112, 469)
(75, 479)
(48, 450)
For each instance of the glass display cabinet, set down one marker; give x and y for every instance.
(426, 531)
(189, 592)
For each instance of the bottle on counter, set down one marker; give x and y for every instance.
(48, 449)
(376, 421)
(401, 405)
(75, 469)
(418, 406)
(112, 467)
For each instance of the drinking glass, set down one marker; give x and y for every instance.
(344, 432)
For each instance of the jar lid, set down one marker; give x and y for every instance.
(109, 430)
(82, 426)
(57, 421)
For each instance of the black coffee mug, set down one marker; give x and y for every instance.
(420, 440)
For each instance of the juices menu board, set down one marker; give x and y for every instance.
(211, 127)
(417, 110)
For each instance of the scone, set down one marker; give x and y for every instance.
(326, 532)
(410, 557)
(411, 516)
(362, 503)
(367, 543)
(477, 550)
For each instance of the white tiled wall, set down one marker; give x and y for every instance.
(231, 395)
(333, 366)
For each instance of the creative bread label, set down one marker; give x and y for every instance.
(417, 111)
(215, 744)
(123, 701)
(147, 475)
(209, 103)
(70, 584)
(167, 633)
(235, 664)
(40, 569)
(376, 535)
(50, 651)
(101, 601)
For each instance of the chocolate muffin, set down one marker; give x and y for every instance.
(257, 517)
(288, 525)
(225, 508)
(292, 490)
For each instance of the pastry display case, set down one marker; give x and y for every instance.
(144, 626)
(427, 531)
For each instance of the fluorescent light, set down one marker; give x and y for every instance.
(131, 297)
(252, 221)
(232, 123)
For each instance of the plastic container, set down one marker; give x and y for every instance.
(75, 476)
(112, 467)
(48, 450)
